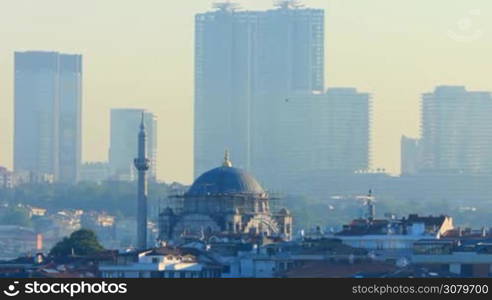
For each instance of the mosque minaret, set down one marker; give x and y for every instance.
(142, 163)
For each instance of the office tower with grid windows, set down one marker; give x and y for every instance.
(456, 135)
(244, 62)
(47, 105)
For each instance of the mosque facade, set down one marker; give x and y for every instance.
(225, 200)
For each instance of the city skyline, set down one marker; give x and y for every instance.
(392, 44)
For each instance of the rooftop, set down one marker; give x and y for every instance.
(225, 180)
(431, 224)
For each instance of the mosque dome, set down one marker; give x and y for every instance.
(225, 180)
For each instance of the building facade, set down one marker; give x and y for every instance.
(410, 155)
(95, 172)
(290, 49)
(70, 122)
(7, 178)
(313, 135)
(163, 263)
(17, 240)
(461, 258)
(245, 61)
(48, 99)
(456, 131)
(393, 238)
(224, 200)
(225, 50)
(123, 144)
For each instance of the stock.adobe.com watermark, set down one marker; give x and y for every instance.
(70, 288)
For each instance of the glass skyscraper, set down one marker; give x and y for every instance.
(48, 100)
(456, 132)
(225, 50)
(244, 62)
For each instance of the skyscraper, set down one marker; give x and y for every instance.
(315, 134)
(244, 62)
(225, 53)
(456, 131)
(290, 53)
(70, 131)
(47, 129)
(123, 145)
(410, 155)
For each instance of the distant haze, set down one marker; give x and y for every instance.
(140, 54)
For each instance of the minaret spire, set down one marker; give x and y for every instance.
(142, 163)
(142, 123)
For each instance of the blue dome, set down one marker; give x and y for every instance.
(225, 180)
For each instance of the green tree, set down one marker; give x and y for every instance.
(81, 242)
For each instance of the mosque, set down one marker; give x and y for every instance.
(225, 200)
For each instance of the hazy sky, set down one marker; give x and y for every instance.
(140, 54)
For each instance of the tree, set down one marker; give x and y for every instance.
(110, 196)
(81, 242)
